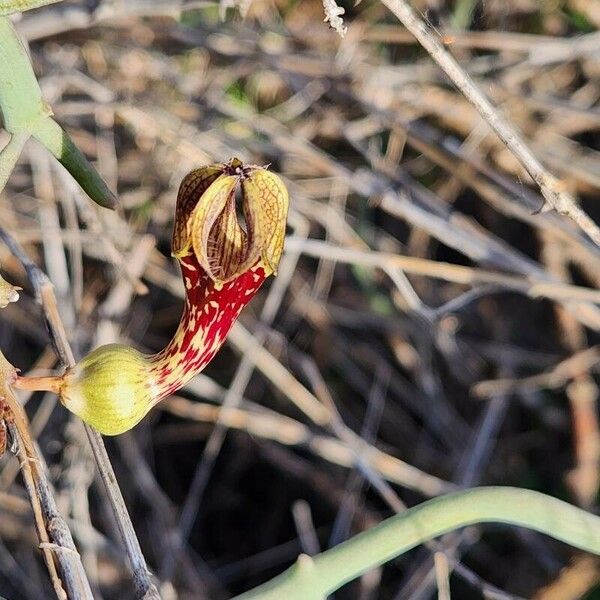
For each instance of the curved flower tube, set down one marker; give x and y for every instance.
(222, 264)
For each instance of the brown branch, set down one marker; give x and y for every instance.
(144, 586)
(553, 190)
(53, 533)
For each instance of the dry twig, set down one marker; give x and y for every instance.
(553, 190)
(144, 586)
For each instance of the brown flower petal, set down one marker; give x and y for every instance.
(192, 187)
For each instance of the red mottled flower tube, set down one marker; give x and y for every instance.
(222, 265)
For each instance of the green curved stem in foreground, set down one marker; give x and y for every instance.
(317, 577)
(25, 113)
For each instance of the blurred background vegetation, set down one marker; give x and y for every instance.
(457, 384)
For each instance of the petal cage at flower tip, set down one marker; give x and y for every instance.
(207, 220)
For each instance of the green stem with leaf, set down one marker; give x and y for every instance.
(26, 114)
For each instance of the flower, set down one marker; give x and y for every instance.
(223, 264)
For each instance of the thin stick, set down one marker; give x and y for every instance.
(142, 579)
(444, 271)
(290, 432)
(552, 189)
(145, 588)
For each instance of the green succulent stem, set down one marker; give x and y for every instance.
(10, 154)
(8, 7)
(26, 114)
(58, 142)
(20, 94)
(314, 578)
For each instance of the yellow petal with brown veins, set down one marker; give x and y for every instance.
(266, 207)
(217, 240)
(224, 248)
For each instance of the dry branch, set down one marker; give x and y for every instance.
(553, 190)
(142, 579)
